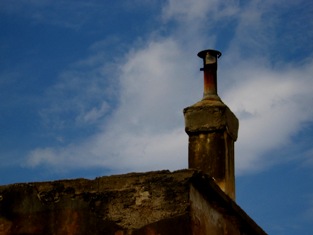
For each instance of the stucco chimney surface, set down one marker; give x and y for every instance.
(212, 129)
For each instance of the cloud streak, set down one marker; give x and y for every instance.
(272, 105)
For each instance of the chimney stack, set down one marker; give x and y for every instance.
(212, 129)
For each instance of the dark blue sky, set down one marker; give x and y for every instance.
(93, 88)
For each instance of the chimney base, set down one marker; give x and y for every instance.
(212, 128)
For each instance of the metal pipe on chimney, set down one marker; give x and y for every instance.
(209, 69)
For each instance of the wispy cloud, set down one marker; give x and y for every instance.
(272, 105)
(160, 77)
(146, 129)
(199, 10)
(68, 14)
(308, 215)
(84, 93)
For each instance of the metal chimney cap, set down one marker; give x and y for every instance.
(202, 54)
(209, 58)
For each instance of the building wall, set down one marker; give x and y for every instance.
(205, 219)
(155, 203)
(146, 203)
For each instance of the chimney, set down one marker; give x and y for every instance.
(212, 129)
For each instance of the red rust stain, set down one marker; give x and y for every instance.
(119, 233)
(210, 85)
(71, 222)
(150, 231)
(5, 226)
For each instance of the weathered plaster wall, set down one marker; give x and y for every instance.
(182, 203)
(214, 212)
(206, 219)
(108, 205)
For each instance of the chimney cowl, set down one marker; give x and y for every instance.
(209, 58)
(209, 69)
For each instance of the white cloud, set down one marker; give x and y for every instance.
(199, 10)
(146, 131)
(121, 152)
(95, 113)
(159, 78)
(272, 105)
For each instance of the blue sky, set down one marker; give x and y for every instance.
(92, 88)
